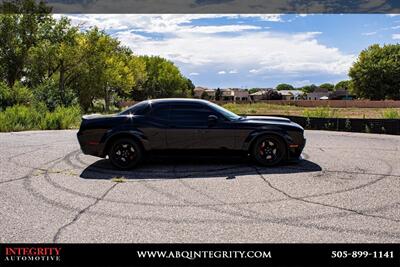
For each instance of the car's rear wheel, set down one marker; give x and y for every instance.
(125, 153)
(269, 150)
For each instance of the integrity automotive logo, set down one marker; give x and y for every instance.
(32, 254)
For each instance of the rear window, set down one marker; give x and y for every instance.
(141, 108)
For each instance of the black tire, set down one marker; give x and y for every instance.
(125, 153)
(269, 150)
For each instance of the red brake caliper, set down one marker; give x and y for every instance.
(262, 149)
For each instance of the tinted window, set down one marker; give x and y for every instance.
(141, 108)
(160, 111)
(190, 114)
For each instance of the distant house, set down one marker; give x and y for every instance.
(341, 94)
(291, 94)
(198, 91)
(240, 94)
(256, 96)
(227, 95)
(318, 94)
(234, 94)
(210, 93)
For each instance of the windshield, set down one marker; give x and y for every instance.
(228, 114)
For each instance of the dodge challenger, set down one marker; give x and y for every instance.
(187, 125)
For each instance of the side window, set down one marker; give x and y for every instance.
(190, 114)
(141, 108)
(160, 112)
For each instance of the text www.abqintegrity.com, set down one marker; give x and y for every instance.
(203, 254)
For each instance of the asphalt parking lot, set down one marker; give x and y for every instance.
(346, 189)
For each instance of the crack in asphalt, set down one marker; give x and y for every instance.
(33, 169)
(319, 203)
(80, 213)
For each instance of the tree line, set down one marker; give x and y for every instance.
(50, 61)
(374, 75)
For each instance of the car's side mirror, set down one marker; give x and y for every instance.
(212, 120)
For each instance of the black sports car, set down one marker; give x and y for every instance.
(187, 124)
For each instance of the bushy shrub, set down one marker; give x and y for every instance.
(62, 118)
(390, 113)
(48, 93)
(19, 118)
(35, 117)
(21, 94)
(5, 96)
(17, 95)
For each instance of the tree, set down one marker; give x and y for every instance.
(343, 85)
(376, 73)
(308, 88)
(164, 79)
(19, 32)
(108, 70)
(328, 86)
(191, 87)
(272, 95)
(253, 90)
(284, 86)
(204, 95)
(56, 56)
(218, 94)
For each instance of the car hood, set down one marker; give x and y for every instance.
(265, 118)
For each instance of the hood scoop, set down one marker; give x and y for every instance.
(266, 118)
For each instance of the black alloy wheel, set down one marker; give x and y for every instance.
(125, 154)
(269, 150)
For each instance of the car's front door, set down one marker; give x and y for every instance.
(185, 123)
(190, 128)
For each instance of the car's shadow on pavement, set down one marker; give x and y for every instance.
(181, 167)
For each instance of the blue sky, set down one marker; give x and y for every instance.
(246, 51)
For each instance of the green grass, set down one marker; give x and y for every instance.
(119, 180)
(391, 113)
(320, 112)
(23, 118)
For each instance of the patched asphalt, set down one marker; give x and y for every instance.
(345, 189)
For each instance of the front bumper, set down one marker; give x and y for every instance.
(294, 152)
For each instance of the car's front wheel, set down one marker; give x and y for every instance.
(125, 153)
(269, 150)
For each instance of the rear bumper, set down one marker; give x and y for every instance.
(89, 145)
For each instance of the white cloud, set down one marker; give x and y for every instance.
(219, 29)
(263, 51)
(395, 27)
(253, 71)
(396, 36)
(194, 74)
(200, 48)
(164, 23)
(368, 33)
(393, 15)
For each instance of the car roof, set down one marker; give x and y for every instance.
(177, 100)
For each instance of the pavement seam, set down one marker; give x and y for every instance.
(80, 213)
(319, 203)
